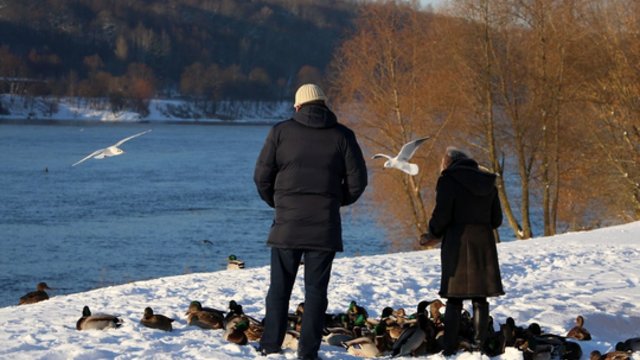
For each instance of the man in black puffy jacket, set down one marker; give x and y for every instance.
(308, 168)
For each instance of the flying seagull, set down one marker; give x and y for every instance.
(401, 161)
(112, 150)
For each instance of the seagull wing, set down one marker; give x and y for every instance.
(130, 137)
(89, 156)
(377, 156)
(410, 148)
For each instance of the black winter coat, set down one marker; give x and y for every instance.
(310, 165)
(466, 212)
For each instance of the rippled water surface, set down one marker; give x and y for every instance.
(180, 200)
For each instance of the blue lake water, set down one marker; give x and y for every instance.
(141, 215)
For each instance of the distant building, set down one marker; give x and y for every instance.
(16, 85)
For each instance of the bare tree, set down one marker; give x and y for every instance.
(384, 83)
(613, 96)
(487, 49)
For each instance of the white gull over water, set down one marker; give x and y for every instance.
(547, 280)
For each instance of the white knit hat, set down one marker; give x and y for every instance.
(307, 93)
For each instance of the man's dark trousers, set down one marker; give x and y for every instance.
(284, 267)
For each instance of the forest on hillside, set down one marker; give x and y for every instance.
(205, 49)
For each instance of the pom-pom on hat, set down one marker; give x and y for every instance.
(308, 93)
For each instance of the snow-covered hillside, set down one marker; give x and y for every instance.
(78, 109)
(548, 280)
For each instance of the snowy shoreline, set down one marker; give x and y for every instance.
(20, 109)
(548, 280)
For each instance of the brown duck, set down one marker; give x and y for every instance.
(156, 321)
(614, 355)
(36, 296)
(579, 332)
(203, 317)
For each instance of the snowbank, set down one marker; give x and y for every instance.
(547, 280)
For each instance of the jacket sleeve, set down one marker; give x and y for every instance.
(266, 170)
(496, 212)
(443, 211)
(355, 179)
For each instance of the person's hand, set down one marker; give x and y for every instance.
(428, 239)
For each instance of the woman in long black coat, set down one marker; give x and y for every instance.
(466, 213)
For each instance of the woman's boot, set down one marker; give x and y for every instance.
(451, 327)
(480, 325)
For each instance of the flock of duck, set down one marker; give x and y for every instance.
(394, 333)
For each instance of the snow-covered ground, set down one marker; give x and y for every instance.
(548, 280)
(168, 110)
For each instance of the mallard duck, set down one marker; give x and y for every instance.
(234, 263)
(336, 336)
(156, 321)
(572, 351)
(195, 306)
(355, 310)
(399, 313)
(235, 312)
(413, 340)
(363, 346)
(203, 317)
(337, 320)
(494, 341)
(291, 338)
(36, 296)
(533, 350)
(614, 355)
(421, 308)
(360, 321)
(236, 333)
(434, 313)
(579, 332)
(254, 328)
(508, 333)
(632, 344)
(389, 317)
(97, 321)
(383, 341)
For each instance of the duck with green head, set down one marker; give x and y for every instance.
(36, 296)
(99, 321)
(156, 321)
(233, 263)
(355, 310)
(236, 314)
(236, 333)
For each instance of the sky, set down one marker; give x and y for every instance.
(547, 280)
(431, 2)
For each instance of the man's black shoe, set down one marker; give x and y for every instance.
(309, 357)
(265, 352)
